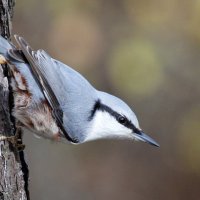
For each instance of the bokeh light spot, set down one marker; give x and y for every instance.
(135, 67)
(189, 138)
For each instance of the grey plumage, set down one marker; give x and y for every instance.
(71, 97)
(66, 86)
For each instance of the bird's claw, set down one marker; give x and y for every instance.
(14, 140)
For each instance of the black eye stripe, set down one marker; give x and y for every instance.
(96, 107)
(99, 106)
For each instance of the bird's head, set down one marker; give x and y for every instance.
(113, 118)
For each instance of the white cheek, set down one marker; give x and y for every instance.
(106, 126)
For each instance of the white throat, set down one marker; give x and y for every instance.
(106, 126)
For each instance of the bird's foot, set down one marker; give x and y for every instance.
(15, 140)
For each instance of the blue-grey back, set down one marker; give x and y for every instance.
(77, 99)
(74, 93)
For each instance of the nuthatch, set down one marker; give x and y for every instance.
(56, 102)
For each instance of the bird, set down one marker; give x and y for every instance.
(54, 101)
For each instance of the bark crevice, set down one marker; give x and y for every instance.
(13, 168)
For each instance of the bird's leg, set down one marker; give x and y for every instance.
(15, 140)
(2, 60)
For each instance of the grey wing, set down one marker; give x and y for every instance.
(40, 64)
(16, 55)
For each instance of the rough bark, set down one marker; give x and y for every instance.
(13, 181)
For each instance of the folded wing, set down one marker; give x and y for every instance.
(43, 67)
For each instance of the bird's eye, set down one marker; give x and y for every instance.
(122, 120)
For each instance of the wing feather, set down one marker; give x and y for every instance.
(40, 64)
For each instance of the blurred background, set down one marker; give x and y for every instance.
(147, 53)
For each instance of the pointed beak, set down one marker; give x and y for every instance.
(145, 138)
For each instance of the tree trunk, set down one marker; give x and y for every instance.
(13, 169)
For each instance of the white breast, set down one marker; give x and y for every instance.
(106, 126)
